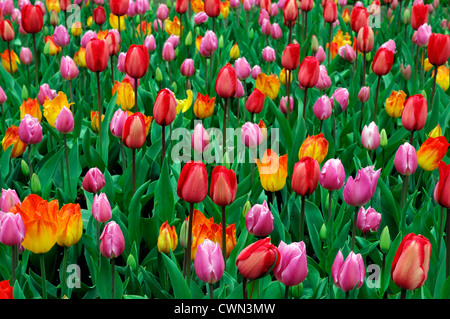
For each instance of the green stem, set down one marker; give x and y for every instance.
(434, 87)
(43, 276)
(64, 267)
(163, 143)
(189, 244)
(14, 260)
(113, 277)
(99, 106)
(224, 128)
(66, 154)
(354, 229)
(302, 217)
(404, 194)
(330, 200)
(304, 103)
(211, 291)
(224, 236)
(376, 100)
(403, 294)
(244, 288)
(134, 169)
(286, 292)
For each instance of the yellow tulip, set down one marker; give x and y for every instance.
(272, 171)
(53, 107)
(70, 225)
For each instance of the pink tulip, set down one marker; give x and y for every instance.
(200, 139)
(45, 92)
(370, 136)
(112, 242)
(323, 108)
(358, 191)
(235, 3)
(266, 27)
(61, 36)
(324, 81)
(349, 273)
(368, 220)
(209, 264)
(3, 96)
(187, 68)
(64, 121)
(150, 42)
(268, 54)
(174, 39)
(276, 33)
(158, 25)
(162, 13)
(332, 175)
(8, 200)
(423, 35)
(12, 229)
(243, 68)
(93, 181)
(30, 130)
(200, 17)
(320, 55)
(405, 160)
(101, 208)
(247, 5)
(88, 36)
(347, 53)
(168, 52)
(256, 70)
(239, 89)
(209, 43)
(68, 68)
(117, 122)
(364, 94)
(293, 268)
(259, 220)
(8, 7)
(121, 62)
(341, 96)
(26, 57)
(283, 102)
(251, 135)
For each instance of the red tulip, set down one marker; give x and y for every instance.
(306, 5)
(290, 12)
(119, 7)
(32, 18)
(192, 184)
(136, 61)
(442, 191)
(411, 262)
(308, 73)
(64, 4)
(212, 8)
(113, 42)
(134, 131)
(414, 114)
(291, 56)
(165, 108)
(419, 15)
(255, 101)
(181, 6)
(6, 31)
(97, 55)
(359, 18)
(438, 49)
(305, 177)
(330, 13)
(99, 15)
(382, 61)
(365, 39)
(226, 82)
(257, 259)
(223, 186)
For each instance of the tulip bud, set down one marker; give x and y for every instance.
(370, 136)
(314, 44)
(12, 229)
(305, 177)
(259, 220)
(112, 242)
(332, 175)
(25, 168)
(35, 184)
(134, 131)
(406, 16)
(414, 115)
(101, 208)
(184, 233)
(93, 181)
(251, 34)
(131, 261)
(383, 138)
(24, 93)
(167, 239)
(323, 232)
(188, 40)
(54, 20)
(223, 186)
(364, 94)
(192, 186)
(385, 240)
(158, 75)
(296, 291)
(221, 42)
(405, 160)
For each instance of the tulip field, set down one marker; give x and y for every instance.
(224, 149)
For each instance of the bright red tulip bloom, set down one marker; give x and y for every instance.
(223, 186)
(306, 5)
(192, 184)
(305, 177)
(258, 259)
(165, 108)
(291, 56)
(255, 101)
(112, 39)
(414, 114)
(226, 82)
(359, 18)
(212, 8)
(419, 15)
(119, 7)
(136, 61)
(6, 31)
(438, 49)
(290, 12)
(308, 72)
(382, 62)
(134, 131)
(442, 191)
(330, 13)
(32, 18)
(99, 15)
(97, 55)
(181, 6)
(411, 262)
(365, 39)
(64, 4)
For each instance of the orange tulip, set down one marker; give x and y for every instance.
(173, 27)
(51, 46)
(315, 146)
(145, 27)
(225, 9)
(53, 5)
(70, 225)
(94, 121)
(200, 232)
(167, 239)
(204, 106)
(101, 34)
(31, 106)
(14, 61)
(231, 236)
(346, 16)
(198, 41)
(80, 57)
(41, 223)
(395, 103)
(12, 138)
(431, 152)
(272, 171)
(268, 84)
(197, 6)
(125, 94)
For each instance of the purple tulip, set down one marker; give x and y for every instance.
(358, 191)
(259, 220)
(332, 175)
(30, 130)
(209, 264)
(368, 220)
(292, 268)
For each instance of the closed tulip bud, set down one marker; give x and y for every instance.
(291, 56)
(192, 186)
(162, 13)
(239, 90)
(419, 15)
(93, 181)
(167, 239)
(97, 55)
(275, 32)
(150, 43)
(165, 107)
(136, 61)
(411, 262)
(117, 123)
(406, 16)
(370, 136)
(308, 72)
(234, 52)
(364, 94)
(405, 160)
(332, 175)
(383, 138)
(305, 177)
(6, 31)
(24, 93)
(112, 242)
(347, 53)
(68, 68)
(134, 131)
(12, 229)
(365, 39)
(184, 233)
(255, 101)
(293, 268)
(368, 220)
(3, 96)
(212, 8)
(414, 115)
(158, 75)
(438, 49)
(268, 54)
(25, 168)
(358, 191)
(284, 104)
(35, 184)
(101, 208)
(320, 55)
(99, 15)
(258, 259)
(30, 130)
(314, 44)
(131, 262)
(349, 273)
(61, 36)
(406, 71)
(242, 68)
(209, 264)
(385, 240)
(223, 186)
(26, 56)
(200, 139)
(323, 231)
(256, 70)
(188, 39)
(64, 121)
(8, 200)
(330, 13)
(259, 220)
(324, 81)
(323, 108)
(225, 86)
(382, 62)
(251, 135)
(187, 68)
(32, 18)
(54, 19)
(431, 152)
(359, 18)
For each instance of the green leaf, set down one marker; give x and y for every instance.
(134, 214)
(179, 285)
(164, 197)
